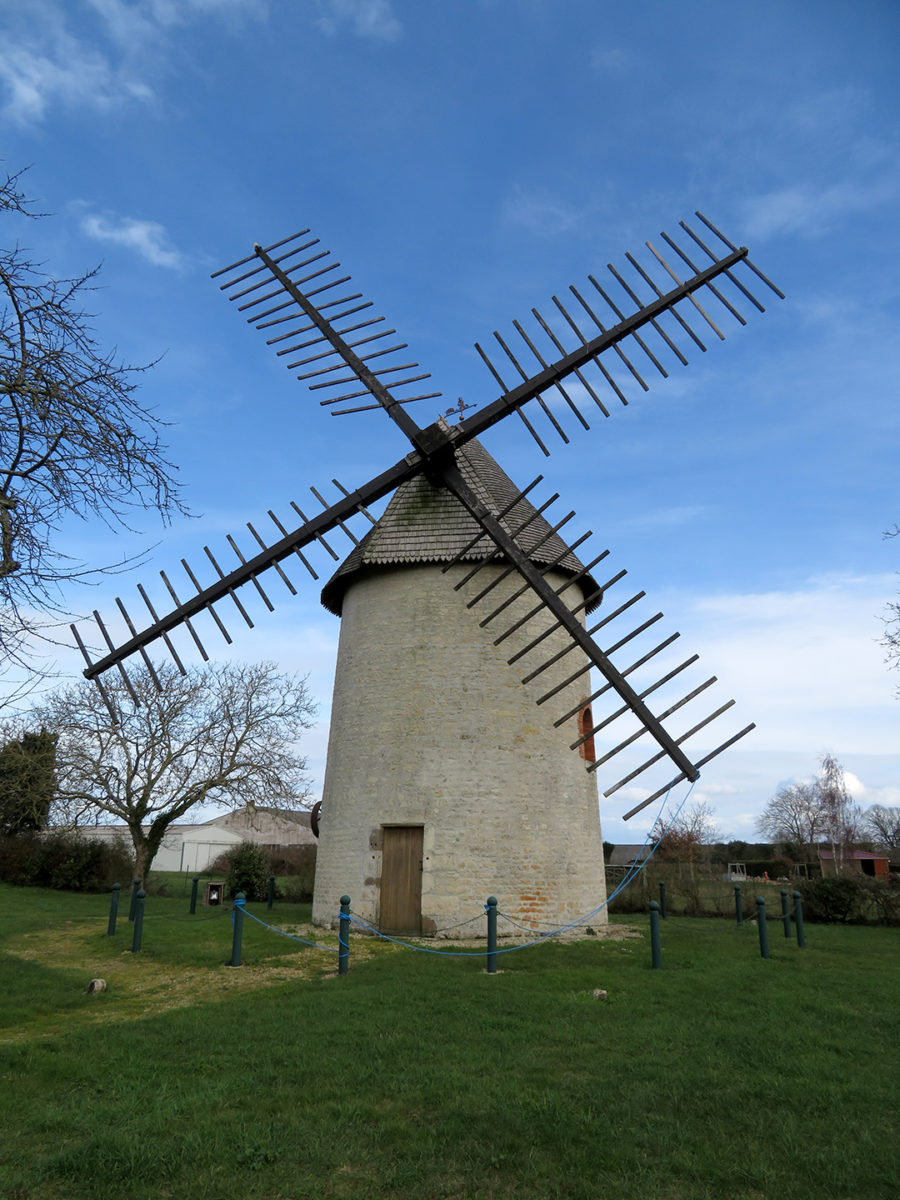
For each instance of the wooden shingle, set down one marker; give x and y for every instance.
(426, 524)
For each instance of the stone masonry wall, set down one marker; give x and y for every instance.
(430, 726)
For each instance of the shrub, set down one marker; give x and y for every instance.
(291, 860)
(247, 871)
(299, 864)
(883, 896)
(833, 898)
(64, 860)
(26, 782)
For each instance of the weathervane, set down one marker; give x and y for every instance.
(459, 409)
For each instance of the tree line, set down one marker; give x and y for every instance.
(800, 819)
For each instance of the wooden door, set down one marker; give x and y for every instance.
(401, 879)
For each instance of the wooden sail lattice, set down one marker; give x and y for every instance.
(595, 345)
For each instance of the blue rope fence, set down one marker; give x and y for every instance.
(355, 919)
(347, 917)
(637, 866)
(291, 936)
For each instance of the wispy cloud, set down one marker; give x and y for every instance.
(110, 54)
(149, 239)
(805, 663)
(831, 113)
(124, 20)
(609, 60)
(671, 517)
(540, 212)
(38, 73)
(814, 211)
(373, 19)
(838, 169)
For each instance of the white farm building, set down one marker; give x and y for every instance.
(193, 848)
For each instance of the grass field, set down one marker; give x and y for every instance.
(421, 1077)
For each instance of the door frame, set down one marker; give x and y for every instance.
(401, 883)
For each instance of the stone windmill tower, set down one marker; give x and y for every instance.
(444, 783)
(461, 757)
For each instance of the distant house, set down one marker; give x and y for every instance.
(193, 848)
(858, 862)
(627, 855)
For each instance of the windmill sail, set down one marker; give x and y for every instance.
(292, 292)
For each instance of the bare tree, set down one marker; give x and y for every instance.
(842, 818)
(218, 735)
(683, 841)
(882, 824)
(683, 837)
(794, 814)
(817, 810)
(73, 437)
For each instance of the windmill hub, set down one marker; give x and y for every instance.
(435, 442)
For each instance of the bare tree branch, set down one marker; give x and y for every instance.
(795, 815)
(74, 439)
(882, 824)
(843, 818)
(819, 810)
(891, 620)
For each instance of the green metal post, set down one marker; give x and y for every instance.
(655, 951)
(762, 926)
(135, 888)
(662, 899)
(798, 919)
(138, 920)
(491, 909)
(237, 918)
(344, 937)
(738, 905)
(786, 912)
(271, 897)
(194, 883)
(113, 909)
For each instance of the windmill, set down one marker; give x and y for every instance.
(531, 617)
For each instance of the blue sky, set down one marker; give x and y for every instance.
(465, 162)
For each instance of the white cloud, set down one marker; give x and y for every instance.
(124, 21)
(44, 63)
(64, 71)
(865, 796)
(805, 664)
(366, 18)
(832, 113)
(149, 239)
(812, 209)
(610, 61)
(540, 212)
(127, 24)
(670, 517)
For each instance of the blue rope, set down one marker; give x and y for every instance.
(638, 865)
(409, 945)
(293, 937)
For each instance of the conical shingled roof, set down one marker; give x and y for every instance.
(427, 524)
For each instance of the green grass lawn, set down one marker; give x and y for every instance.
(417, 1076)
